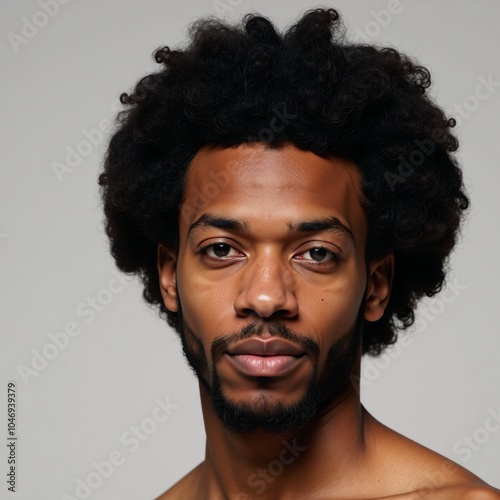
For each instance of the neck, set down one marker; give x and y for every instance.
(288, 465)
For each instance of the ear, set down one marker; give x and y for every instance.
(378, 288)
(167, 261)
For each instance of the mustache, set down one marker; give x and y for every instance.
(221, 342)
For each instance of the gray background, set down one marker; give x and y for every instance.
(438, 387)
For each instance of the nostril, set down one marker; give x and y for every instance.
(285, 313)
(245, 312)
(268, 315)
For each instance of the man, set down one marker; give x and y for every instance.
(286, 200)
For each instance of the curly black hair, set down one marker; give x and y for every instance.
(358, 101)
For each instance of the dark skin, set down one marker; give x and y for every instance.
(314, 282)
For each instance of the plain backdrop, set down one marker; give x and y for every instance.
(63, 67)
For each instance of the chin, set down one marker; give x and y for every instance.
(264, 411)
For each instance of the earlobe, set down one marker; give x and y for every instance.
(167, 261)
(378, 288)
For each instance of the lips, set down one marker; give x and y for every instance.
(257, 357)
(266, 347)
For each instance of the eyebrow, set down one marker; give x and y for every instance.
(332, 224)
(208, 220)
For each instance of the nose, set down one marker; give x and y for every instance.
(267, 289)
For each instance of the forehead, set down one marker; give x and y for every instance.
(272, 186)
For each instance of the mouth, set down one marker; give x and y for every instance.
(257, 357)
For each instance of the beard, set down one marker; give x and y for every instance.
(267, 413)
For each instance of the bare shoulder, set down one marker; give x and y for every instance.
(480, 493)
(421, 472)
(460, 493)
(184, 488)
(448, 493)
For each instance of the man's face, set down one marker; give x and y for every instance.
(270, 281)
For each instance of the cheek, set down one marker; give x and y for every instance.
(333, 310)
(205, 303)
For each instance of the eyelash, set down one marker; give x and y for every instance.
(206, 247)
(335, 256)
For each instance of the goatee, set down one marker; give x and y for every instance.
(266, 413)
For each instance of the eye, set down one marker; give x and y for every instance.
(219, 251)
(319, 255)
